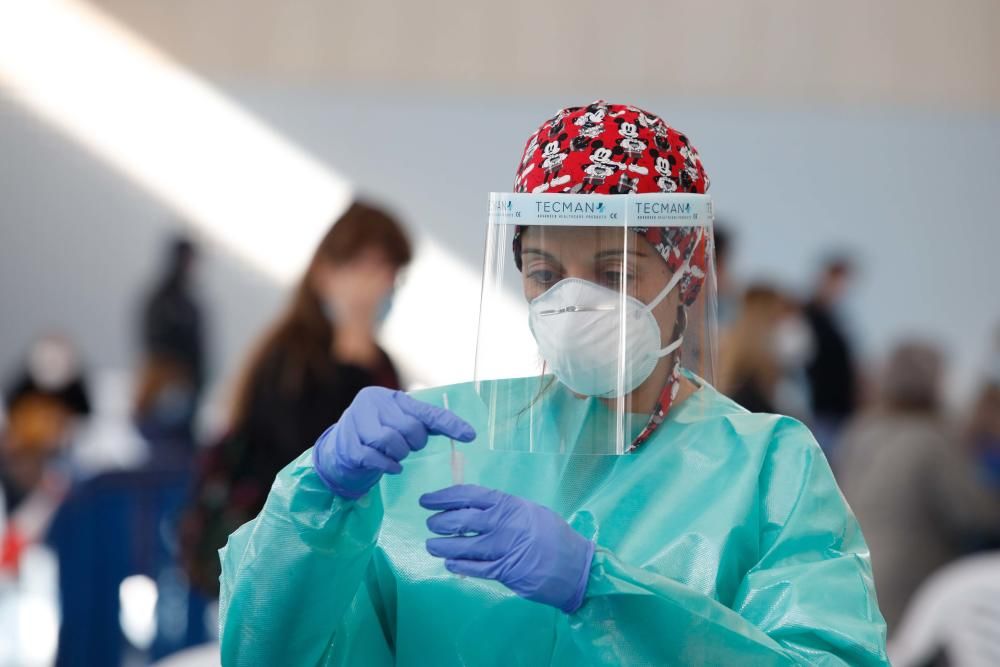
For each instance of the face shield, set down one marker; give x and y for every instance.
(596, 319)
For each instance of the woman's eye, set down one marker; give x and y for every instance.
(616, 279)
(543, 276)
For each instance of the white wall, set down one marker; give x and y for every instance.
(911, 192)
(926, 52)
(79, 245)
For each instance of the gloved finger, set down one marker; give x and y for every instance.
(372, 459)
(362, 428)
(371, 398)
(437, 420)
(411, 428)
(390, 442)
(481, 569)
(366, 424)
(478, 547)
(459, 522)
(461, 496)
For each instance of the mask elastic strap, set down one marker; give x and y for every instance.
(671, 284)
(669, 349)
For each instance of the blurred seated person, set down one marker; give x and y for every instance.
(44, 402)
(983, 438)
(984, 427)
(911, 484)
(164, 411)
(306, 371)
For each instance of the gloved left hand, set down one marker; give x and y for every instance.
(525, 546)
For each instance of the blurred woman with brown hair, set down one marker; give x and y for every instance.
(322, 351)
(749, 368)
(763, 354)
(303, 374)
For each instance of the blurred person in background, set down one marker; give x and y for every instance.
(794, 346)
(908, 479)
(983, 438)
(727, 296)
(303, 375)
(984, 430)
(984, 424)
(44, 403)
(173, 366)
(831, 372)
(749, 368)
(762, 354)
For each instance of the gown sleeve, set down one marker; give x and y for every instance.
(808, 600)
(296, 585)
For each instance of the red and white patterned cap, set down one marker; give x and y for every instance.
(614, 149)
(609, 149)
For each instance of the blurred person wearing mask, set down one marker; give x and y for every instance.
(44, 403)
(749, 369)
(905, 474)
(793, 346)
(304, 373)
(173, 365)
(763, 354)
(625, 511)
(831, 372)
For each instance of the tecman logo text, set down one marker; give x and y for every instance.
(662, 208)
(574, 208)
(505, 208)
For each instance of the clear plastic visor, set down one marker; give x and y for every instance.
(597, 318)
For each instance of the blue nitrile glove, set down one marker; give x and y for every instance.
(379, 429)
(523, 545)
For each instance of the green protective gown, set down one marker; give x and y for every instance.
(723, 540)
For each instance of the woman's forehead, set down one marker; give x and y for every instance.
(578, 239)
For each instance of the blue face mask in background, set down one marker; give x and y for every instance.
(381, 313)
(385, 306)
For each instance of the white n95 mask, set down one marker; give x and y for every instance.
(597, 341)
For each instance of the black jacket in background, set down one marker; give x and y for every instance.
(172, 329)
(831, 372)
(278, 425)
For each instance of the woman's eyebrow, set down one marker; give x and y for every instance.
(536, 251)
(614, 253)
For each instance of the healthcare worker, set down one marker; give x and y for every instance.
(620, 510)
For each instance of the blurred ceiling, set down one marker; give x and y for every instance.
(925, 53)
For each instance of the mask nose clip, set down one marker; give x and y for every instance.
(576, 309)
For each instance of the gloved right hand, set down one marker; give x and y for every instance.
(379, 429)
